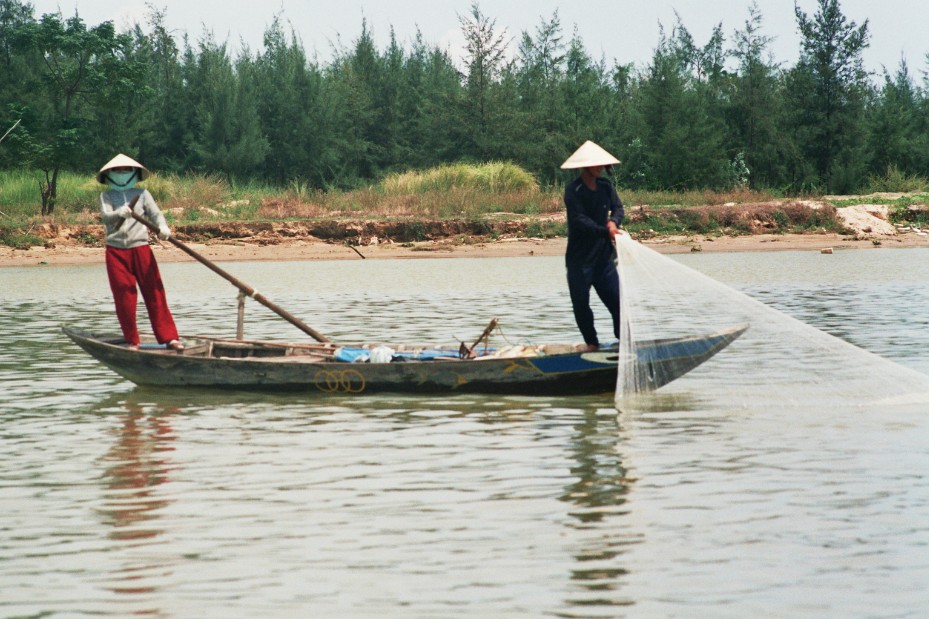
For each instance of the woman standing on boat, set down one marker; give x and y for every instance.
(594, 216)
(130, 263)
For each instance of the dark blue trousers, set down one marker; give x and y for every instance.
(605, 281)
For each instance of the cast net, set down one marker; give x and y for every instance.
(778, 359)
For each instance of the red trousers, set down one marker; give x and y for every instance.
(126, 269)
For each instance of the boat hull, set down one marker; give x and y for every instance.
(269, 367)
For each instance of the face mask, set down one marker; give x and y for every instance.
(121, 181)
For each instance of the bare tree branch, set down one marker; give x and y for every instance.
(10, 129)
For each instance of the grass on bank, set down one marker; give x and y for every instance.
(484, 192)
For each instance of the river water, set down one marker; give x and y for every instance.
(121, 501)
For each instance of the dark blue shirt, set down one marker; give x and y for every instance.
(589, 241)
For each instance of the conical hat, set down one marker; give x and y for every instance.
(121, 161)
(589, 155)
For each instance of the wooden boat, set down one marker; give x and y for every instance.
(555, 369)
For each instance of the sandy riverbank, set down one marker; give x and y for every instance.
(296, 250)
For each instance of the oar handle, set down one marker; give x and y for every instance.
(469, 350)
(245, 288)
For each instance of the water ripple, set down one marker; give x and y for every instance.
(120, 500)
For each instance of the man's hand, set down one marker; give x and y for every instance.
(124, 211)
(613, 228)
(164, 233)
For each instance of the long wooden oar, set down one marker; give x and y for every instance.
(245, 288)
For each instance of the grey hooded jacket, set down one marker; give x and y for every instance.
(127, 233)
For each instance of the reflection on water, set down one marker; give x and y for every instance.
(134, 470)
(598, 490)
(121, 500)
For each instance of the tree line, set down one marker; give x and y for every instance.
(714, 116)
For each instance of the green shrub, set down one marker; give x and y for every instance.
(896, 180)
(780, 218)
(546, 229)
(18, 239)
(88, 239)
(493, 176)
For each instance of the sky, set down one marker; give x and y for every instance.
(624, 31)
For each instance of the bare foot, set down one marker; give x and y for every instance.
(591, 348)
(175, 345)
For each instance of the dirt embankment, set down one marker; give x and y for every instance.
(746, 227)
(354, 232)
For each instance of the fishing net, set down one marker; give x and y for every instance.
(778, 360)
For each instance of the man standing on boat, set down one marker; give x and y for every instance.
(594, 216)
(130, 262)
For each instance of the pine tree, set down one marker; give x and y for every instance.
(484, 109)
(292, 112)
(894, 135)
(684, 140)
(227, 137)
(542, 111)
(756, 117)
(828, 88)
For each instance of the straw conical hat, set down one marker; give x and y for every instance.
(589, 155)
(121, 161)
